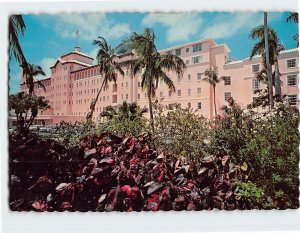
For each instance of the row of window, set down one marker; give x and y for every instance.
(290, 63)
(195, 48)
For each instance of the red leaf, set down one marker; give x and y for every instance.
(127, 189)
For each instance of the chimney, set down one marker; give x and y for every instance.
(77, 48)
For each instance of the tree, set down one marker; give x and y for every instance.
(128, 110)
(30, 71)
(26, 108)
(211, 77)
(293, 17)
(275, 47)
(16, 26)
(108, 67)
(152, 64)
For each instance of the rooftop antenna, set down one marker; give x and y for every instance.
(77, 33)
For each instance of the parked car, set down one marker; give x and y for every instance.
(35, 127)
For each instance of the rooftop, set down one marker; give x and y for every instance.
(232, 62)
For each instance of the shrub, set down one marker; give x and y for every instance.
(71, 133)
(126, 119)
(267, 143)
(179, 131)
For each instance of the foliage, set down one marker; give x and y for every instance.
(249, 196)
(179, 131)
(110, 173)
(71, 133)
(127, 119)
(16, 26)
(26, 108)
(267, 142)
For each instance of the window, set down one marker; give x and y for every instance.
(170, 93)
(178, 93)
(199, 76)
(179, 78)
(227, 80)
(187, 50)
(292, 80)
(139, 96)
(187, 62)
(161, 94)
(196, 59)
(114, 99)
(139, 84)
(197, 47)
(189, 92)
(199, 105)
(293, 99)
(126, 96)
(255, 84)
(291, 63)
(126, 84)
(255, 68)
(199, 90)
(189, 105)
(227, 95)
(179, 105)
(178, 52)
(189, 77)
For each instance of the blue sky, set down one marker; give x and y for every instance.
(47, 37)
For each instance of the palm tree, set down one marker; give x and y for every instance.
(293, 17)
(16, 26)
(152, 64)
(128, 110)
(275, 47)
(30, 71)
(211, 77)
(108, 66)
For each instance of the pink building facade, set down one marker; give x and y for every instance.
(74, 82)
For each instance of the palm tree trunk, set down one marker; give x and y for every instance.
(277, 80)
(214, 88)
(269, 68)
(150, 106)
(89, 116)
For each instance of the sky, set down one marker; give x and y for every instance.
(47, 37)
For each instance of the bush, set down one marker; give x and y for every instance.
(179, 131)
(125, 120)
(71, 133)
(267, 143)
(123, 126)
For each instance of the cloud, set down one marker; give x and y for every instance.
(46, 63)
(180, 26)
(90, 26)
(226, 26)
(93, 54)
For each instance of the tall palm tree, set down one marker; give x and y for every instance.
(128, 110)
(30, 71)
(108, 67)
(275, 47)
(293, 17)
(211, 77)
(16, 26)
(152, 64)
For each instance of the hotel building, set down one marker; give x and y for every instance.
(74, 82)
